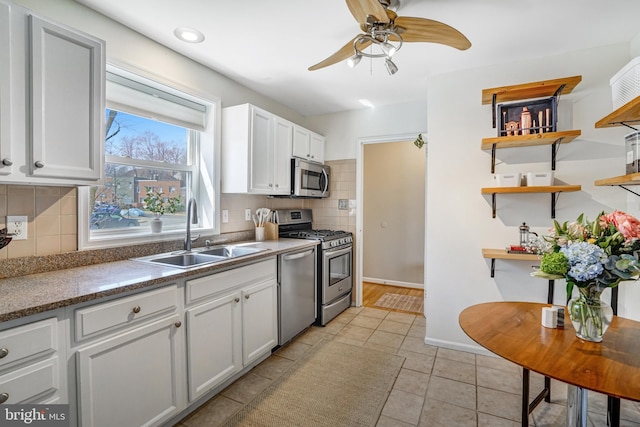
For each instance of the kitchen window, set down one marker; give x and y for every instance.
(157, 138)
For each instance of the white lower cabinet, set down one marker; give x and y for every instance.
(132, 372)
(259, 320)
(232, 324)
(132, 379)
(214, 340)
(144, 358)
(30, 369)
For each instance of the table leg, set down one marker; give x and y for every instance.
(613, 411)
(525, 398)
(576, 406)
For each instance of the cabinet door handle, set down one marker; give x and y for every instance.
(247, 296)
(136, 309)
(7, 162)
(3, 352)
(237, 299)
(4, 397)
(178, 324)
(38, 164)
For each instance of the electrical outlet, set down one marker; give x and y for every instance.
(225, 215)
(247, 214)
(17, 227)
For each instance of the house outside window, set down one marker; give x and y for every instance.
(157, 139)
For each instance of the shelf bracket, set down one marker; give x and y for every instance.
(554, 198)
(493, 158)
(630, 191)
(493, 105)
(493, 205)
(493, 267)
(559, 91)
(629, 126)
(555, 147)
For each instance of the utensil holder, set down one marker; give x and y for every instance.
(259, 234)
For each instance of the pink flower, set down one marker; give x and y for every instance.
(627, 225)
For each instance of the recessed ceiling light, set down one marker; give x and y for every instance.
(189, 35)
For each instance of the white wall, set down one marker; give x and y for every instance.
(130, 49)
(459, 222)
(342, 130)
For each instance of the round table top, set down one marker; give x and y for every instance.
(514, 331)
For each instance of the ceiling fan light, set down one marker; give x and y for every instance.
(391, 67)
(388, 49)
(354, 60)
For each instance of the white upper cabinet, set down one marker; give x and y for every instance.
(56, 77)
(67, 102)
(256, 151)
(308, 145)
(6, 160)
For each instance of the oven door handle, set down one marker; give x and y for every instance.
(331, 253)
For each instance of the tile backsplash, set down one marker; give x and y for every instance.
(52, 212)
(52, 219)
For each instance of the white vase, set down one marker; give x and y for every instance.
(156, 225)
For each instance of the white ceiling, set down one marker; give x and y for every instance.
(268, 45)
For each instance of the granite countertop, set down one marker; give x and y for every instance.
(36, 293)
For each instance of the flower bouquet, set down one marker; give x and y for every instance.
(592, 255)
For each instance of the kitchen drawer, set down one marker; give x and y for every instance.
(23, 385)
(203, 287)
(124, 312)
(28, 341)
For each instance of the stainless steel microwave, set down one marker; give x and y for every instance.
(309, 179)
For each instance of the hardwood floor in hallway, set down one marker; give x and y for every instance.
(371, 292)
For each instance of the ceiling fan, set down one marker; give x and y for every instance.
(385, 30)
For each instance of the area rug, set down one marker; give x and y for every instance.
(334, 384)
(401, 302)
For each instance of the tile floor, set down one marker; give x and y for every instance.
(435, 387)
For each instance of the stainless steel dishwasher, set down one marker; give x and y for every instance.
(296, 293)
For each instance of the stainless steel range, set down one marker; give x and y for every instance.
(334, 262)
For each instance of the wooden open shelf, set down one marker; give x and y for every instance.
(495, 254)
(530, 90)
(631, 179)
(503, 254)
(628, 114)
(553, 189)
(530, 140)
(532, 189)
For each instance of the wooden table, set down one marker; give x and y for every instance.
(513, 330)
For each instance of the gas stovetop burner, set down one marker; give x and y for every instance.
(315, 234)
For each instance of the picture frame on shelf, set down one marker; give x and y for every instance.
(529, 117)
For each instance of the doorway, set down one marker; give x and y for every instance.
(390, 230)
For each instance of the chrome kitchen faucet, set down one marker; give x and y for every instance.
(192, 218)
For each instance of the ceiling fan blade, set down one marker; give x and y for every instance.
(345, 52)
(427, 30)
(361, 8)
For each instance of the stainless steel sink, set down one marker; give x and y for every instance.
(187, 259)
(231, 251)
(200, 256)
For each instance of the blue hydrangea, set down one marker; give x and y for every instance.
(585, 259)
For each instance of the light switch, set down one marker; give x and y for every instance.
(225, 215)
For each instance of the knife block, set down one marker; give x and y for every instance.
(270, 231)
